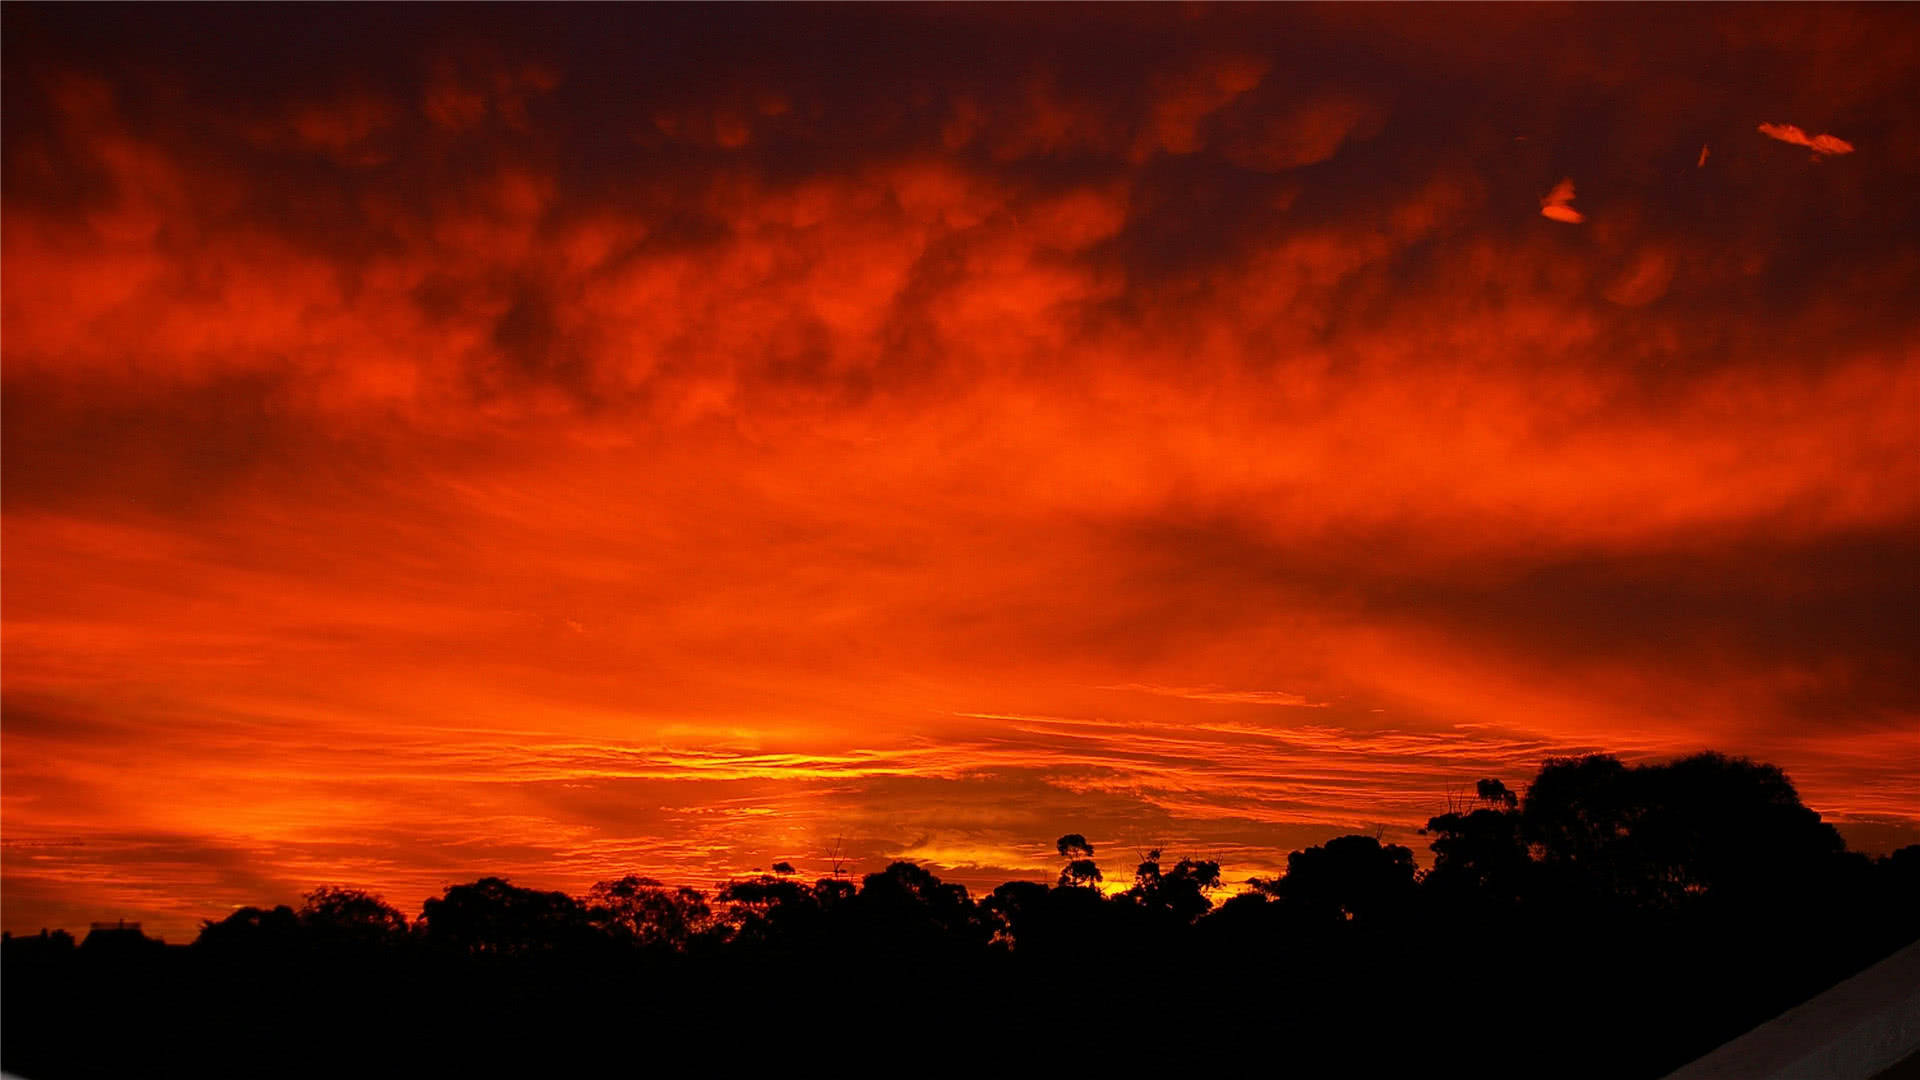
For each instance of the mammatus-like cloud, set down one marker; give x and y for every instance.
(1821, 145)
(1557, 204)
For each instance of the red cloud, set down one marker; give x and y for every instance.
(1555, 204)
(1821, 145)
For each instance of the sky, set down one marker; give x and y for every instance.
(563, 442)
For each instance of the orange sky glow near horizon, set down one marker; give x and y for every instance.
(565, 442)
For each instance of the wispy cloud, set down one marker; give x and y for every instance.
(1557, 204)
(1821, 145)
(1232, 697)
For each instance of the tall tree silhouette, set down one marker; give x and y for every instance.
(1480, 857)
(1080, 870)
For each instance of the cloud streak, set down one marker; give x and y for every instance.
(1214, 693)
(1822, 145)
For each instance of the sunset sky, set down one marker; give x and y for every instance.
(563, 442)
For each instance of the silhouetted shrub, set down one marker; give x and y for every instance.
(1612, 920)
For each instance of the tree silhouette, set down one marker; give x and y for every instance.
(1480, 856)
(1495, 794)
(336, 917)
(1013, 911)
(1146, 876)
(252, 931)
(915, 909)
(830, 892)
(1656, 834)
(1348, 878)
(1080, 871)
(768, 910)
(1181, 892)
(492, 917)
(1673, 904)
(644, 912)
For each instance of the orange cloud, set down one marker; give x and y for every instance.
(1556, 204)
(1821, 145)
(1241, 697)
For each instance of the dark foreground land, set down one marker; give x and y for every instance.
(1617, 922)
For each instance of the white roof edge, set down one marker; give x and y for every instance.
(1850, 1032)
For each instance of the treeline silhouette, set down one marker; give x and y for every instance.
(1614, 921)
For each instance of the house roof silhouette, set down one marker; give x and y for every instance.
(1866, 1028)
